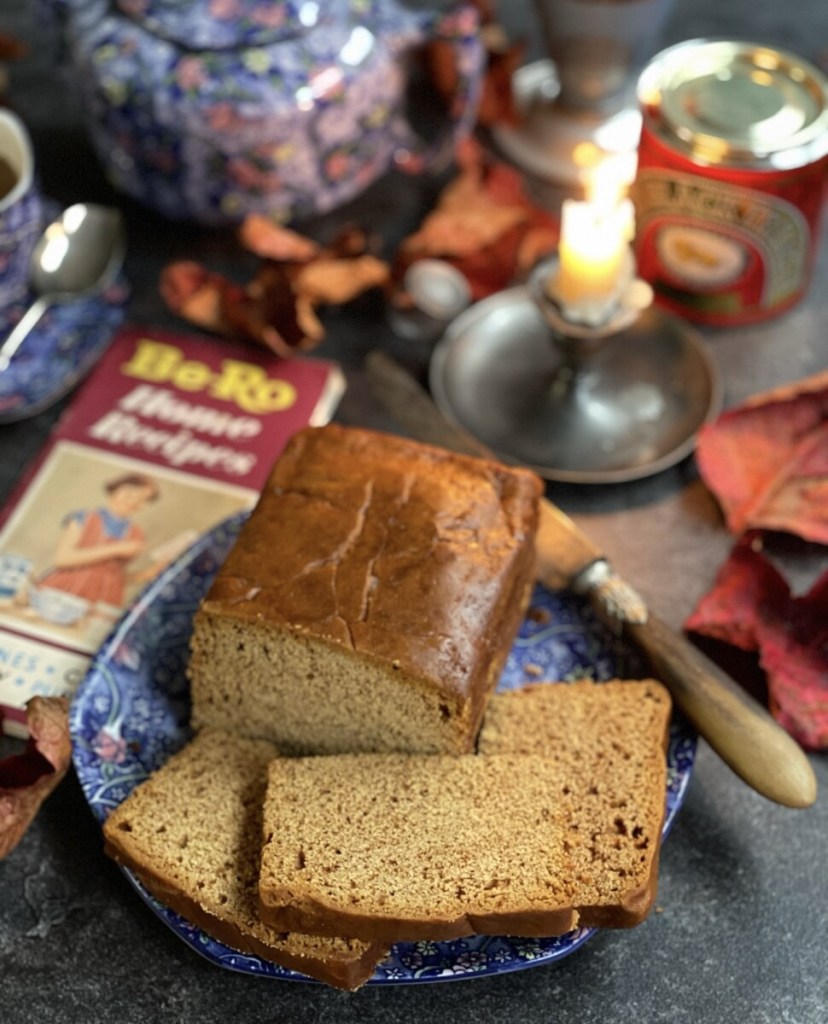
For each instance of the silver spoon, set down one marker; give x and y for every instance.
(78, 254)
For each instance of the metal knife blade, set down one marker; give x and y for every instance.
(735, 725)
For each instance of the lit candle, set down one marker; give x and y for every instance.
(595, 261)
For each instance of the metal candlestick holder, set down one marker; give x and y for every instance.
(577, 106)
(577, 402)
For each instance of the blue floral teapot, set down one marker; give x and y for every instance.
(212, 109)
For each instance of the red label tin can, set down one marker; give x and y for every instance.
(731, 179)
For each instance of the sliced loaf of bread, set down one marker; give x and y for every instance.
(625, 721)
(557, 822)
(371, 599)
(392, 847)
(608, 742)
(192, 834)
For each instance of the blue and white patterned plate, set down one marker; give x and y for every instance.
(132, 711)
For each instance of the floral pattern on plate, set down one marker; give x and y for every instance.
(131, 713)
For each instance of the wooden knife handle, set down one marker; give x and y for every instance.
(736, 726)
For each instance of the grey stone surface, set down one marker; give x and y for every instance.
(740, 933)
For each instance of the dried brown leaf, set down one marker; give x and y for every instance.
(26, 779)
(277, 307)
(483, 224)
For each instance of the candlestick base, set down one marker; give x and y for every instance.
(558, 148)
(612, 404)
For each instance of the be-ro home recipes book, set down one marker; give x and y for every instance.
(167, 437)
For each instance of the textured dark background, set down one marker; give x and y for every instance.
(740, 935)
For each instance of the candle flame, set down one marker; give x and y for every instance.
(595, 263)
(607, 184)
(606, 192)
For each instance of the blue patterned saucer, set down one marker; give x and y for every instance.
(62, 347)
(132, 710)
(60, 350)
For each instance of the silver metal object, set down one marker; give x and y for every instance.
(555, 148)
(79, 253)
(437, 288)
(614, 598)
(578, 106)
(611, 405)
(739, 105)
(438, 292)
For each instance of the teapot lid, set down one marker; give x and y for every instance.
(223, 24)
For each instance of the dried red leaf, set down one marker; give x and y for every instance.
(502, 58)
(277, 307)
(483, 225)
(26, 779)
(751, 607)
(748, 588)
(767, 461)
(272, 241)
(199, 295)
(267, 312)
(794, 654)
(335, 280)
(492, 267)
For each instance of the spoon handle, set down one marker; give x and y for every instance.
(20, 332)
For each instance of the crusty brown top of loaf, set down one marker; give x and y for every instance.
(389, 547)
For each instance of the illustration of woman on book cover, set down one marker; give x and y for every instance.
(96, 546)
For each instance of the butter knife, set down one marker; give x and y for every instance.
(737, 727)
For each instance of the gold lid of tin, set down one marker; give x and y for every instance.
(725, 102)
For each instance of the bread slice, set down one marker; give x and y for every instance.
(622, 723)
(556, 823)
(393, 847)
(371, 599)
(192, 834)
(608, 742)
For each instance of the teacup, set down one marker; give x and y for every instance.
(21, 213)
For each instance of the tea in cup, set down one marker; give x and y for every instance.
(8, 177)
(21, 213)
